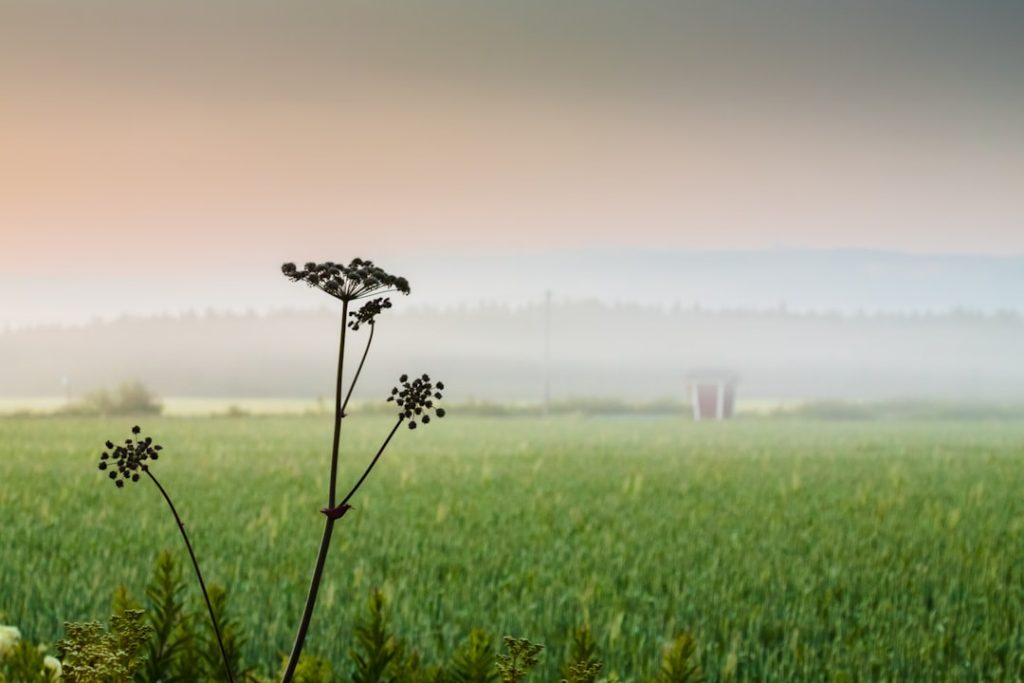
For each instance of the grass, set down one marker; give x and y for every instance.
(177, 406)
(193, 406)
(791, 550)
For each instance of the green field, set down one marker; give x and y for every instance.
(791, 550)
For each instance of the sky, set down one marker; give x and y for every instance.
(171, 148)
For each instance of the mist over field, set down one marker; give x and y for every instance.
(632, 326)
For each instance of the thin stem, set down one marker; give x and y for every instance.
(338, 412)
(373, 462)
(365, 292)
(325, 540)
(307, 612)
(199, 575)
(321, 559)
(358, 369)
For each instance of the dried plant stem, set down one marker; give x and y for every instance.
(199, 575)
(325, 540)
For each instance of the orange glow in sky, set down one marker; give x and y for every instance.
(183, 135)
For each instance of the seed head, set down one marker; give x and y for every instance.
(415, 399)
(368, 313)
(358, 280)
(127, 461)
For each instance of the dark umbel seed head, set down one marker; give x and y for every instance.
(415, 399)
(128, 461)
(368, 313)
(358, 280)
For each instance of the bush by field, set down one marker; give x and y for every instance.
(128, 398)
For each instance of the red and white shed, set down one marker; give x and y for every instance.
(713, 394)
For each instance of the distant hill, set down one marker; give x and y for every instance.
(496, 352)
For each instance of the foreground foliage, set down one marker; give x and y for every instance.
(790, 551)
(161, 645)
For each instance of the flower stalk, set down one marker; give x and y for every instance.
(358, 280)
(415, 400)
(127, 463)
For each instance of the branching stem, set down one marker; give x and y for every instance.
(373, 462)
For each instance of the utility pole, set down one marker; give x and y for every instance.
(547, 351)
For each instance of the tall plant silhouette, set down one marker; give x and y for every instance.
(128, 463)
(415, 399)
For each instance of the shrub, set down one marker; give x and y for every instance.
(92, 654)
(128, 398)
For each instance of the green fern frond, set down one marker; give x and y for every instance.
(408, 667)
(679, 662)
(232, 634)
(190, 665)
(122, 600)
(582, 657)
(474, 661)
(583, 647)
(313, 669)
(377, 646)
(165, 613)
